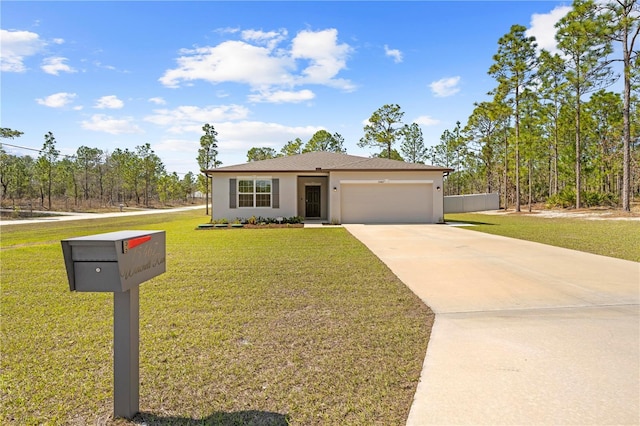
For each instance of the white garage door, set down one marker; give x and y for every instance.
(386, 203)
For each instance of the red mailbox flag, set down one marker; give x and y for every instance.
(134, 242)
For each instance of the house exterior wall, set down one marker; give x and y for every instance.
(412, 183)
(220, 197)
(415, 184)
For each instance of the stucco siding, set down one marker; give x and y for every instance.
(220, 198)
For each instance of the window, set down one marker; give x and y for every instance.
(254, 192)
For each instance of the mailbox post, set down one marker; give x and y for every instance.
(118, 262)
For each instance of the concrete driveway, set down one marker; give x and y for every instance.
(525, 333)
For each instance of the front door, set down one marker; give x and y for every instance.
(312, 201)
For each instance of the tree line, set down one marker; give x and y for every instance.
(551, 130)
(91, 177)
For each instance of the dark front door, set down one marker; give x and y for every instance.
(312, 201)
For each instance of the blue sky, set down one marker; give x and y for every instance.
(120, 74)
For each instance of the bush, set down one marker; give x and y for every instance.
(567, 198)
(259, 220)
(594, 199)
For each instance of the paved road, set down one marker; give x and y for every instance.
(525, 333)
(66, 216)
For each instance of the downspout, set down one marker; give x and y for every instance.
(445, 174)
(211, 198)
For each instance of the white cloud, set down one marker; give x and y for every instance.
(15, 47)
(230, 61)
(393, 53)
(114, 126)
(258, 62)
(192, 118)
(270, 39)
(227, 30)
(425, 120)
(56, 64)
(445, 87)
(543, 28)
(109, 102)
(327, 57)
(57, 100)
(58, 40)
(282, 96)
(242, 135)
(158, 101)
(101, 65)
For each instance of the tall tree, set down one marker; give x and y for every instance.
(383, 128)
(5, 159)
(513, 67)
(412, 146)
(208, 156)
(531, 139)
(581, 36)
(45, 166)
(88, 160)
(6, 133)
(552, 92)
(258, 154)
(483, 132)
(322, 140)
(293, 147)
(624, 18)
(395, 155)
(605, 112)
(152, 169)
(188, 184)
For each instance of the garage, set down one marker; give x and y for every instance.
(386, 201)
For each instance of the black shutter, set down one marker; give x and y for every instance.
(232, 193)
(275, 193)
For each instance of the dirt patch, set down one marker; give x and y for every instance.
(588, 214)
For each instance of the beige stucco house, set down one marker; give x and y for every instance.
(329, 187)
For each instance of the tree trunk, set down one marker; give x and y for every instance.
(626, 161)
(530, 184)
(506, 168)
(578, 186)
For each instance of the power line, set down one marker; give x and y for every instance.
(31, 149)
(21, 147)
(64, 155)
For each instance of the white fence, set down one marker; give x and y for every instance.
(471, 203)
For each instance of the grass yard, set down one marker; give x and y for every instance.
(613, 238)
(247, 326)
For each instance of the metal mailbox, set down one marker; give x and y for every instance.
(118, 262)
(115, 261)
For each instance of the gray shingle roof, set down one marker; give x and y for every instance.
(325, 161)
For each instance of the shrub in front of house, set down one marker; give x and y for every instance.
(260, 221)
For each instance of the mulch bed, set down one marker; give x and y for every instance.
(208, 226)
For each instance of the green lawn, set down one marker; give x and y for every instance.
(266, 326)
(613, 238)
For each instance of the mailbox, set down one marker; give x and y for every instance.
(115, 261)
(118, 262)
